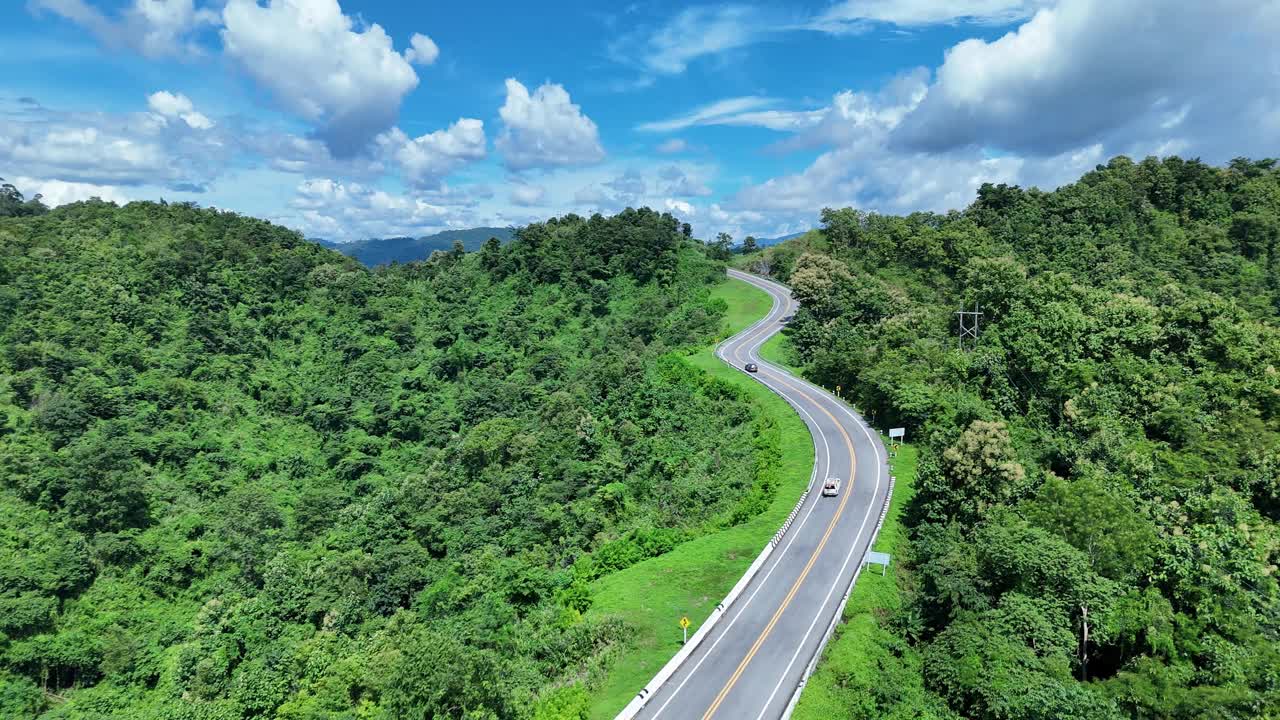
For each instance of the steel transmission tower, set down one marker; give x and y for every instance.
(970, 322)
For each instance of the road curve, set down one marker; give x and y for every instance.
(751, 662)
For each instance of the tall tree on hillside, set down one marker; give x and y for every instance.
(491, 253)
(12, 203)
(720, 249)
(749, 245)
(844, 227)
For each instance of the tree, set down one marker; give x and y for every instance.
(436, 675)
(749, 245)
(104, 485)
(979, 471)
(817, 283)
(721, 249)
(12, 203)
(1103, 524)
(844, 228)
(491, 253)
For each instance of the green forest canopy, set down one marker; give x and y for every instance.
(243, 476)
(1107, 455)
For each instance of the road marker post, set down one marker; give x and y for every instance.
(684, 628)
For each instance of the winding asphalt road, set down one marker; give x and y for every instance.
(752, 661)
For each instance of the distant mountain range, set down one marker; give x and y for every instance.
(380, 251)
(766, 242)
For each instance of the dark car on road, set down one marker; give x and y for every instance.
(751, 367)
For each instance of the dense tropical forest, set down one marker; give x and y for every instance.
(1094, 533)
(241, 475)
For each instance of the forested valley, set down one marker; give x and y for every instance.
(1094, 533)
(243, 476)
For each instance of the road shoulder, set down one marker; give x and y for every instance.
(653, 595)
(853, 664)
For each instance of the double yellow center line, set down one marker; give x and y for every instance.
(764, 634)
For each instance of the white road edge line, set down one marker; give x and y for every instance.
(861, 529)
(751, 333)
(849, 556)
(642, 698)
(790, 539)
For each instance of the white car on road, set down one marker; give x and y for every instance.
(831, 487)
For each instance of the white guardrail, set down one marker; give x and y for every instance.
(638, 702)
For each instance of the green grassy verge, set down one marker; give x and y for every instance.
(653, 595)
(777, 350)
(860, 660)
(747, 304)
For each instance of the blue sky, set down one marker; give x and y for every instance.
(356, 119)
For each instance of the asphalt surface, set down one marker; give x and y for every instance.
(752, 661)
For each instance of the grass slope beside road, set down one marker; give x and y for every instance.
(653, 595)
(746, 302)
(865, 660)
(777, 350)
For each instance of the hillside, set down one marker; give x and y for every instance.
(382, 251)
(1094, 531)
(243, 476)
(767, 242)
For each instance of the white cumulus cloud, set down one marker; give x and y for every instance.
(428, 158)
(422, 50)
(1118, 70)
(1077, 83)
(628, 187)
(679, 207)
(155, 28)
(316, 64)
(169, 105)
(526, 195)
(59, 192)
(545, 129)
(863, 170)
(337, 210)
(590, 195)
(679, 183)
(139, 148)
